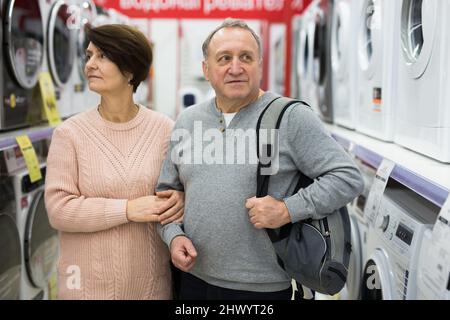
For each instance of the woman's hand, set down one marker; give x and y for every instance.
(176, 210)
(147, 209)
(165, 207)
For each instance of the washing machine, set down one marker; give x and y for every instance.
(321, 57)
(10, 248)
(377, 67)
(279, 65)
(360, 230)
(423, 113)
(83, 98)
(344, 74)
(295, 59)
(23, 49)
(307, 90)
(433, 279)
(39, 241)
(394, 243)
(60, 32)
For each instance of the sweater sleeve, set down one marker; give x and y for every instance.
(68, 210)
(337, 180)
(169, 178)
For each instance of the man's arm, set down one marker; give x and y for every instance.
(337, 180)
(169, 179)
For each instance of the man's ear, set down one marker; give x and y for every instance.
(205, 70)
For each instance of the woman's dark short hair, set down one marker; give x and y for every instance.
(126, 46)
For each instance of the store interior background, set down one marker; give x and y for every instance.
(375, 71)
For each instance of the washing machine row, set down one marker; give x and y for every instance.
(314, 68)
(394, 242)
(41, 35)
(29, 246)
(389, 68)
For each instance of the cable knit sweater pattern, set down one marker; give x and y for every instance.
(93, 167)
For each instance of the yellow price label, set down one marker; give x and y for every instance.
(12, 100)
(31, 160)
(53, 286)
(49, 99)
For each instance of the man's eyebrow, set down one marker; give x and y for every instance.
(88, 52)
(229, 52)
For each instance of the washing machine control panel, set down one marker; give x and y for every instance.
(395, 227)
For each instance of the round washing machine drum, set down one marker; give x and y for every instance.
(353, 284)
(10, 258)
(376, 283)
(319, 49)
(88, 16)
(24, 41)
(61, 43)
(41, 244)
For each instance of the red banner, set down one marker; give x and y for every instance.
(271, 10)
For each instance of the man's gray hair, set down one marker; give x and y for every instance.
(231, 23)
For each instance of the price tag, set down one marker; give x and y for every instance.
(30, 157)
(48, 102)
(377, 189)
(53, 286)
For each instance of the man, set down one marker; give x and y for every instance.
(221, 246)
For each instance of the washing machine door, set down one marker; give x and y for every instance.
(24, 41)
(41, 243)
(61, 43)
(319, 47)
(370, 42)
(377, 278)
(340, 41)
(418, 28)
(354, 274)
(10, 258)
(88, 15)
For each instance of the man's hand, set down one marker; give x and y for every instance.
(267, 212)
(183, 253)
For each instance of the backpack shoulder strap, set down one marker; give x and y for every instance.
(269, 119)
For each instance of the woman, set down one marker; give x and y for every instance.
(102, 168)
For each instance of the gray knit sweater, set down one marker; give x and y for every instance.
(232, 253)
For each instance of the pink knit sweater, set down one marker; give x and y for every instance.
(93, 167)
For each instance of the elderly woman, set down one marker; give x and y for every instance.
(102, 168)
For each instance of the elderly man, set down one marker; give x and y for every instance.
(221, 245)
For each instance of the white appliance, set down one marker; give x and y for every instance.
(321, 57)
(433, 278)
(423, 110)
(39, 241)
(59, 55)
(10, 248)
(377, 59)
(360, 230)
(344, 32)
(307, 89)
(83, 98)
(20, 63)
(277, 59)
(295, 58)
(390, 269)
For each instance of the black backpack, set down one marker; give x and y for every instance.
(315, 253)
